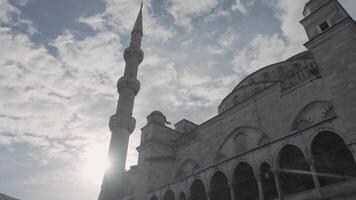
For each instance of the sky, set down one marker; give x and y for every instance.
(60, 61)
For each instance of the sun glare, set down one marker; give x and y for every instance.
(95, 162)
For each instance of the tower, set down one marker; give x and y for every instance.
(332, 40)
(122, 124)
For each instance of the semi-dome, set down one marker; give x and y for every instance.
(265, 77)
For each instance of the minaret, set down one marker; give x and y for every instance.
(122, 124)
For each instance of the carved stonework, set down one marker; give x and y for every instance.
(240, 132)
(128, 83)
(313, 113)
(129, 52)
(117, 122)
(299, 74)
(264, 139)
(329, 111)
(302, 123)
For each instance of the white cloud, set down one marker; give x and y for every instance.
(260, 52)
(184, 10)
(7, 12)
(225, 42)
(242, 6)
(227, 39)
(264, 50)
(11, 16)
(215, 15)
(120, 16)
(289, 12)
(215, 49)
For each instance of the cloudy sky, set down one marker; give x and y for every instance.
(60, 60)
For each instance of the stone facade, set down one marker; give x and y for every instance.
(287, 131)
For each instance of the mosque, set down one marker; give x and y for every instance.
(286, 131)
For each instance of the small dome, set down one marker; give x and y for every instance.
(156, 117)
(156, 112)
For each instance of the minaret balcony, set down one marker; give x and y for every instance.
(126, 122)
(133, 52)
(128, 83)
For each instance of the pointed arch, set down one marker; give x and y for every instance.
(154, 198)
(295, 175)
(182, 196)
(245, 184)
(219, 187)
(332, 159)
(169, 195)
(197, 190)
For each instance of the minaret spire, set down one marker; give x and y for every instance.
(122, 124)
(138, 23)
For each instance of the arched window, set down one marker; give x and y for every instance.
(295, 173)
(169, 195)
(333, 160)
(219, 187)
(197, 191)
(268, 182)
(154, 198)
(245, 186)
(182, 196)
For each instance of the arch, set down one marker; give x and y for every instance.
(268, 182)
(295, 175)
(154, 198)
(169, 195)
(241, 140)
(245, 184)
(219, 187)
(182, 196)
(332, 159)
(313, 112)
(188, 167)
(197, 190)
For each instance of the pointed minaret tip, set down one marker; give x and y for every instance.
(138, 23)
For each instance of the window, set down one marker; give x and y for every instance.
(323, 26)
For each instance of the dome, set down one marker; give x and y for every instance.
(264, 78)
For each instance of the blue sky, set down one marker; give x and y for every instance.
(60, 60)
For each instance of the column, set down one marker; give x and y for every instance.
(260, 187)
(310, 162)
(208, 194)
(232, 191)
(352, 148)
(278, 183)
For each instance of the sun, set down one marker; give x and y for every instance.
(95, 163)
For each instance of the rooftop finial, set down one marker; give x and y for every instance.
(141, 4)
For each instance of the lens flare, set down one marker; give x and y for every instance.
(95, 162)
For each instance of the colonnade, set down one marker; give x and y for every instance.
(330, 162)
